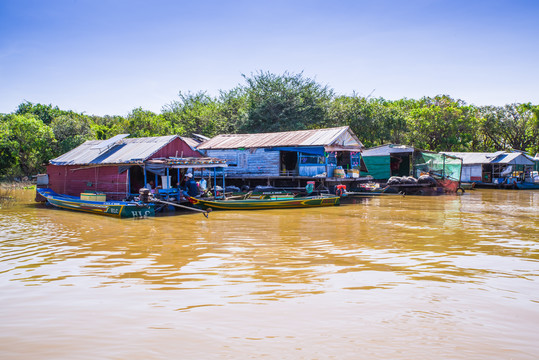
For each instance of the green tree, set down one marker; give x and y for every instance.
(285, 102)
(45, 113)
(105, 127)
(374, 121)
(513, 126)
(144, 123)
(8, 158)
(70, 131)
(196, 113)
(232, 110)
(534, 147)
(354, 111)
(441, 124)
(27, 140)
(390, 121)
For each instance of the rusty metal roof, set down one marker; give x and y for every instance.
(124, 151)
(318, 137)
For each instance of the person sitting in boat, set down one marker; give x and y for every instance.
(191, 187)
(150, 186)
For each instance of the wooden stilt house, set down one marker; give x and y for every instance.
(294, 155)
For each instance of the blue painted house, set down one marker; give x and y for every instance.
(292, 154)
(494, 168)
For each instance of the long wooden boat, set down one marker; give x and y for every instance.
(267, 203)
(122, 209)
(527, 185)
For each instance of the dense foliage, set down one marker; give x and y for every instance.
(266, 102)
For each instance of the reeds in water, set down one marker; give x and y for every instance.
(6, 195)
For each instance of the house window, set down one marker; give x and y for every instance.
(332, 159)
(312, 160)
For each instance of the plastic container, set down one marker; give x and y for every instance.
(353, 173)
(92, 196)
(339, 173)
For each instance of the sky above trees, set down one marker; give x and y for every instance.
(109, 57)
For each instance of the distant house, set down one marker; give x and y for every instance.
(116, 167)
(492, 168)
(389, 160)
(291, 154)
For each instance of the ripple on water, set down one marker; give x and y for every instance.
(435, 275)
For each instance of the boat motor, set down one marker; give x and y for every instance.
(144, 195)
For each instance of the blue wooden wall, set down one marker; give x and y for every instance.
(250, 162)
(266, 162)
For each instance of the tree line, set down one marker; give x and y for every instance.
(267, 102)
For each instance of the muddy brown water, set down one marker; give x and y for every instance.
(445, 277)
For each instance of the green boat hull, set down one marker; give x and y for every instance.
(259, 204)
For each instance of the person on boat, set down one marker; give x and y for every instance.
(191, 187)
(150, 186)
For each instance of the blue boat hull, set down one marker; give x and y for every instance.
(527, 186)
(121, 209)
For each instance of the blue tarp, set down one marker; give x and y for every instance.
(318, 150)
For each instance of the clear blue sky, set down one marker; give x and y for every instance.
(109, 57)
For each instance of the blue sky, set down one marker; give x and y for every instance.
(109, 57)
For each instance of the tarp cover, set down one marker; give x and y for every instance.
(158, 169)
(319, 150)
(439, 164)
(378, 167)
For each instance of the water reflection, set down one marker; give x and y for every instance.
(389, 277)
(277, 254)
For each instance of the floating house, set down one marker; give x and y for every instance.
(117, 167)
(389, 160)
(333, 153)
(493, 168)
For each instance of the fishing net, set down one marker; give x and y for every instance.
(437, 165)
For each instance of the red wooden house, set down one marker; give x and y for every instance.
(116, 166)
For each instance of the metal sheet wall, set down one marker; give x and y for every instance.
(176, 148)
(73, 180)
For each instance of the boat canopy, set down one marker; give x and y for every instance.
(160, 166)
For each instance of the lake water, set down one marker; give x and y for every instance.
(446, 277)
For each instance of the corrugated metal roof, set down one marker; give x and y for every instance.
(385, 150)
(124, 151)
(499, 157)
(470, 158)
(514, 158)
(317, 137)
(190, 141)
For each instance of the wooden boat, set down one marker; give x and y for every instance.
(274, 202)
(467, 185)
(122, 209)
